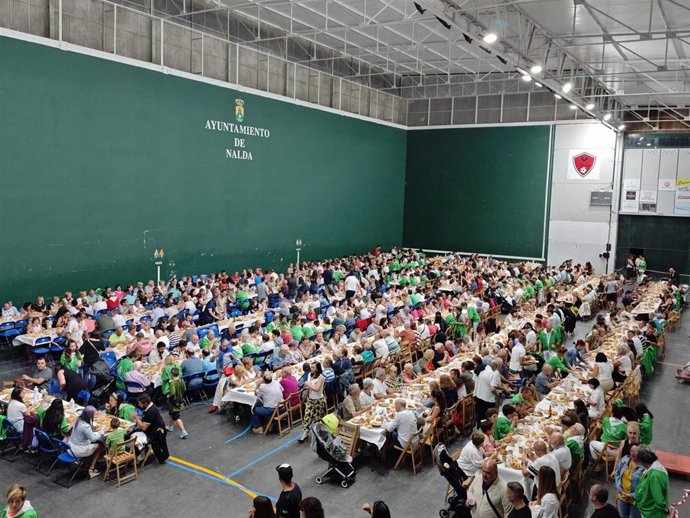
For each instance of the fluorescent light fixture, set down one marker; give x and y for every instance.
(607, 117)
(567, 87)
(590, 106)
(526, 78)
(536, 69)
(490, 37)
(538, 84)
(573, 107)
(621, 127)
(557, 96)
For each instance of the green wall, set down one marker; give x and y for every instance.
(101, 163)
(477, 189)
(664, 241)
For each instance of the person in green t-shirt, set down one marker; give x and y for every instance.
(118, 407)
(176, 403)
(503, 424)
(55, 424)
(645, 418)
(559, 362)
(114, 437)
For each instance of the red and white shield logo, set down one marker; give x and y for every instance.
(584, 163)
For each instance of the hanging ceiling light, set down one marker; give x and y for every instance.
(621, 127)
(590, 106)
(536, 69)
(538, 84)
(573, 107)
(607, 117)
(526, 78)
(567, 87)
(557, 96)
(490, 37)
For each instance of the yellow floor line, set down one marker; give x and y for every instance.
(214, 474)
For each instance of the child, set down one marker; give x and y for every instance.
(176, 402)
(503, 425)
(115, 436)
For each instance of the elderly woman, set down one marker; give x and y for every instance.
(84, 441)
(17, 504)
(409, 375)
(393, 381)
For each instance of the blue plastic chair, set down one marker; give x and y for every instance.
(46, 450)
(210, 380)
(67, 457)
(105, 334)
(8, 331)
(84, 396)
(21, 325)
(195, 385)
(58, 345)
(41, 346)
(145, 318)
(139, 389)
(109, 356)
(13, 439)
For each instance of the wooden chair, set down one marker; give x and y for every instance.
(608, 457)
(468, 414)
(119, 456)
(577, 480)
(564, 498)
(349, 435)
(295, 410)
(281, 418)
(450, 431)
(431, 437)
(412, 450)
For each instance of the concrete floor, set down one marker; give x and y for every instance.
(222, 456)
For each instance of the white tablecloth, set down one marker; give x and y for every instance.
(239, 396)
(30, 340)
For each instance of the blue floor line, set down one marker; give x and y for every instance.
(224, 482)
(238, 435)
(264, 456)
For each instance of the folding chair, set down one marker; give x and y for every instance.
(280, 413)
(67, 457)
(412, 450)
(195, 385)
(349, 435)
(119, 456)
(47, 450)
(468, 414)
(295, 409)
(13, 439)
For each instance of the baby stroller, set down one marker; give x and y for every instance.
(330, 448)
(450, 470)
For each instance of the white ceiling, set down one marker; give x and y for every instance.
(632, 52)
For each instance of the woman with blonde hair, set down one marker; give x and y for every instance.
(17, 504)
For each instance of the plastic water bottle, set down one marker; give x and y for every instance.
(36, 396)
(72, 405)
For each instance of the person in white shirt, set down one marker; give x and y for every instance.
(76, 329)
(366, 397)
(119, 320)
(380, 347)
(561, 451)
(472, 455)
(539, 456)
(352, 286)
(596, 401)
(486, 387)
(380, 389)
(517, 356)
(270, 392)
(404, 424)
(9, 311)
